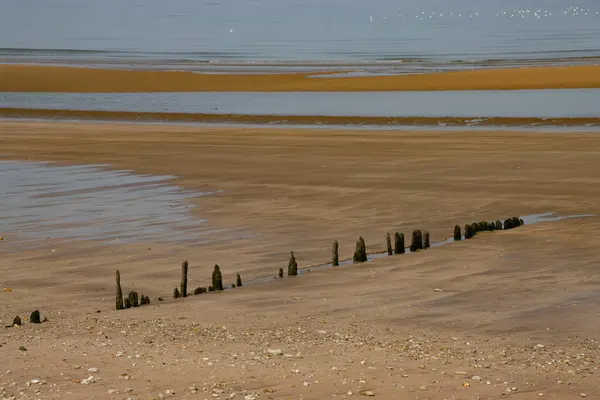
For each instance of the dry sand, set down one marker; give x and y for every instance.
(518, 309)
(28, 78)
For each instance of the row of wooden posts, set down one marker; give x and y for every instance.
(419, 241)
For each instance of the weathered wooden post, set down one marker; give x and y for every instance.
(426, 244)
(133, 299)
(388, 242)
(119, 305)
(126, 303)
(34, 318)
(457, 234)
(292, 265)
(238, 280)
(468, 231)
(217, 279)
(399, 243)
(417, 241)
(184, 272)
(335, 256)
(498, 225)
(360, 253)
(281, 272)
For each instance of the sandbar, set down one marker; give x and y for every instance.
(37, 78)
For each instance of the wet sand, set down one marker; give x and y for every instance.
(518, 309)
(28, 78)
(129, 116)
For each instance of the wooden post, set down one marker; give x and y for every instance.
(119, 305)
(217, 279)
(426, 244)
(184, 272)
(457, 234)
(360, 253)
(388, 242)
(399, 243)
(335, 257)
(238, 281)
(281, 272)
(176, 293)
(417, 241)
(292, 265)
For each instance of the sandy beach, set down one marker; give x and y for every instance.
(32, 78)
(511, 314)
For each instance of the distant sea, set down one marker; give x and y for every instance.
(188, 33)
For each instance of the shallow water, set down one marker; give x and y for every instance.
(298, 30)
(548, 103)
(43, 201)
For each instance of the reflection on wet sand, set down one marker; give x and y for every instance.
(88, 202)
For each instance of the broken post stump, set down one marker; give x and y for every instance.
(238, 280)
(335, 256)
(399, 243)
(126, 303)
(133, 299)
(360, 253)
(417, 241)
(119, 305)
(281, 272)
(388, 242)
(292, 265)
(457, 234)
(426, 244)
(176, 293)
(184, 272)
(34, 318)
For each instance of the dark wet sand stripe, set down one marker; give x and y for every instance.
(288, 119)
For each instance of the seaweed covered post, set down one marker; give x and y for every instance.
(426, 244)
(238, 280)
(498, 225)
(399, 247)
(281, 272)
(417, 240)
(360, 253)
(335, 255)
(457, 233)
(217, 279)
(119, 305)
(133, 299)
(35, 318)
(184, 272)
(292, 265)
(468, 231)
(388, 242)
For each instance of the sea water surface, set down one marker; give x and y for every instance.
(192, 32)
(547, 103)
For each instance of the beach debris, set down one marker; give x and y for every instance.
(399, 243)
(22, 348)
(184, 272)
(388, 242)
(275, 352)
(89, 380)
(417, 241)
(238, 280)
(292, 265)
(176, 293)
(7, 290)
(211, 288)
(360, 254)
(368, 393)
(16, 322)
(281, 272)
(437, 290)
(34, 318)
(335, 257)
(217, 280)
(133, 299)
(426, 244)
(119, 297)
(457, 234)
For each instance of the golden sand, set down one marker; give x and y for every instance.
(28, 78)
